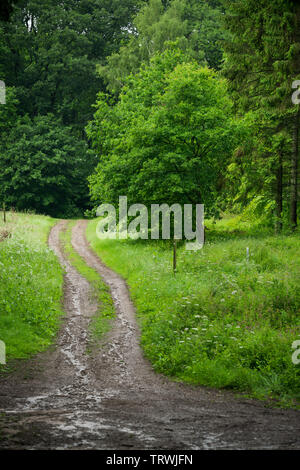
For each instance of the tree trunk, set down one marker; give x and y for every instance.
(294, 174)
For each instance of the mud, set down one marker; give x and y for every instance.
(112, 399)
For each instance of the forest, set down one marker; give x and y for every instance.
(180, 101)
(174, 102)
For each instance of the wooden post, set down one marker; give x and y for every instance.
(174, 256)
(4, 213)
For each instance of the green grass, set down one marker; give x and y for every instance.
(222, 321)
(30, 286)
(101, 322)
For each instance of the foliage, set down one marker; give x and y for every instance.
(49, 52)
(196, 26)
(168, 137)
(48, 55)
(261, 62)
(6, 8)
(44, 168)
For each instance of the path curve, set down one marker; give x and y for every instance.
(113, 399)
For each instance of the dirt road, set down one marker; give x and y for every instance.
(112, 399)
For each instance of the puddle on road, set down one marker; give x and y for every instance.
(83, 424)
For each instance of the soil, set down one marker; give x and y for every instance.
(112, 399)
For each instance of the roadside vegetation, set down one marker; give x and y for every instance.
(101, 322)
(223, 320)
(30, 286)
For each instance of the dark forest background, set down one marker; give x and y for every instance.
(163, 101)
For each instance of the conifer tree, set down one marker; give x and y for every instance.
(262, 61)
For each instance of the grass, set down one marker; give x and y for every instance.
(101, 322)
(30, 286)
(223, 321)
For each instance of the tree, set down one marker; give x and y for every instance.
(262, 61)
(49, 51)
(168, 137)
(196, 26)
(48, 55)
(43, 168)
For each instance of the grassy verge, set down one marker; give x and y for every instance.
(101, 322)
(223, 321)
(30, 286)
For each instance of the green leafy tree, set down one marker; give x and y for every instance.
(168, 137)
(8, 114)
(43, 168)
(49, 51)
(48, 55)
(194, 25)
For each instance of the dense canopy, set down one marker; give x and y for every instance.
(156, 100)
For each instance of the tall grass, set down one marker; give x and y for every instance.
(30, 286)
(224, 320)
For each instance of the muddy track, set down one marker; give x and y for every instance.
(112, 399)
